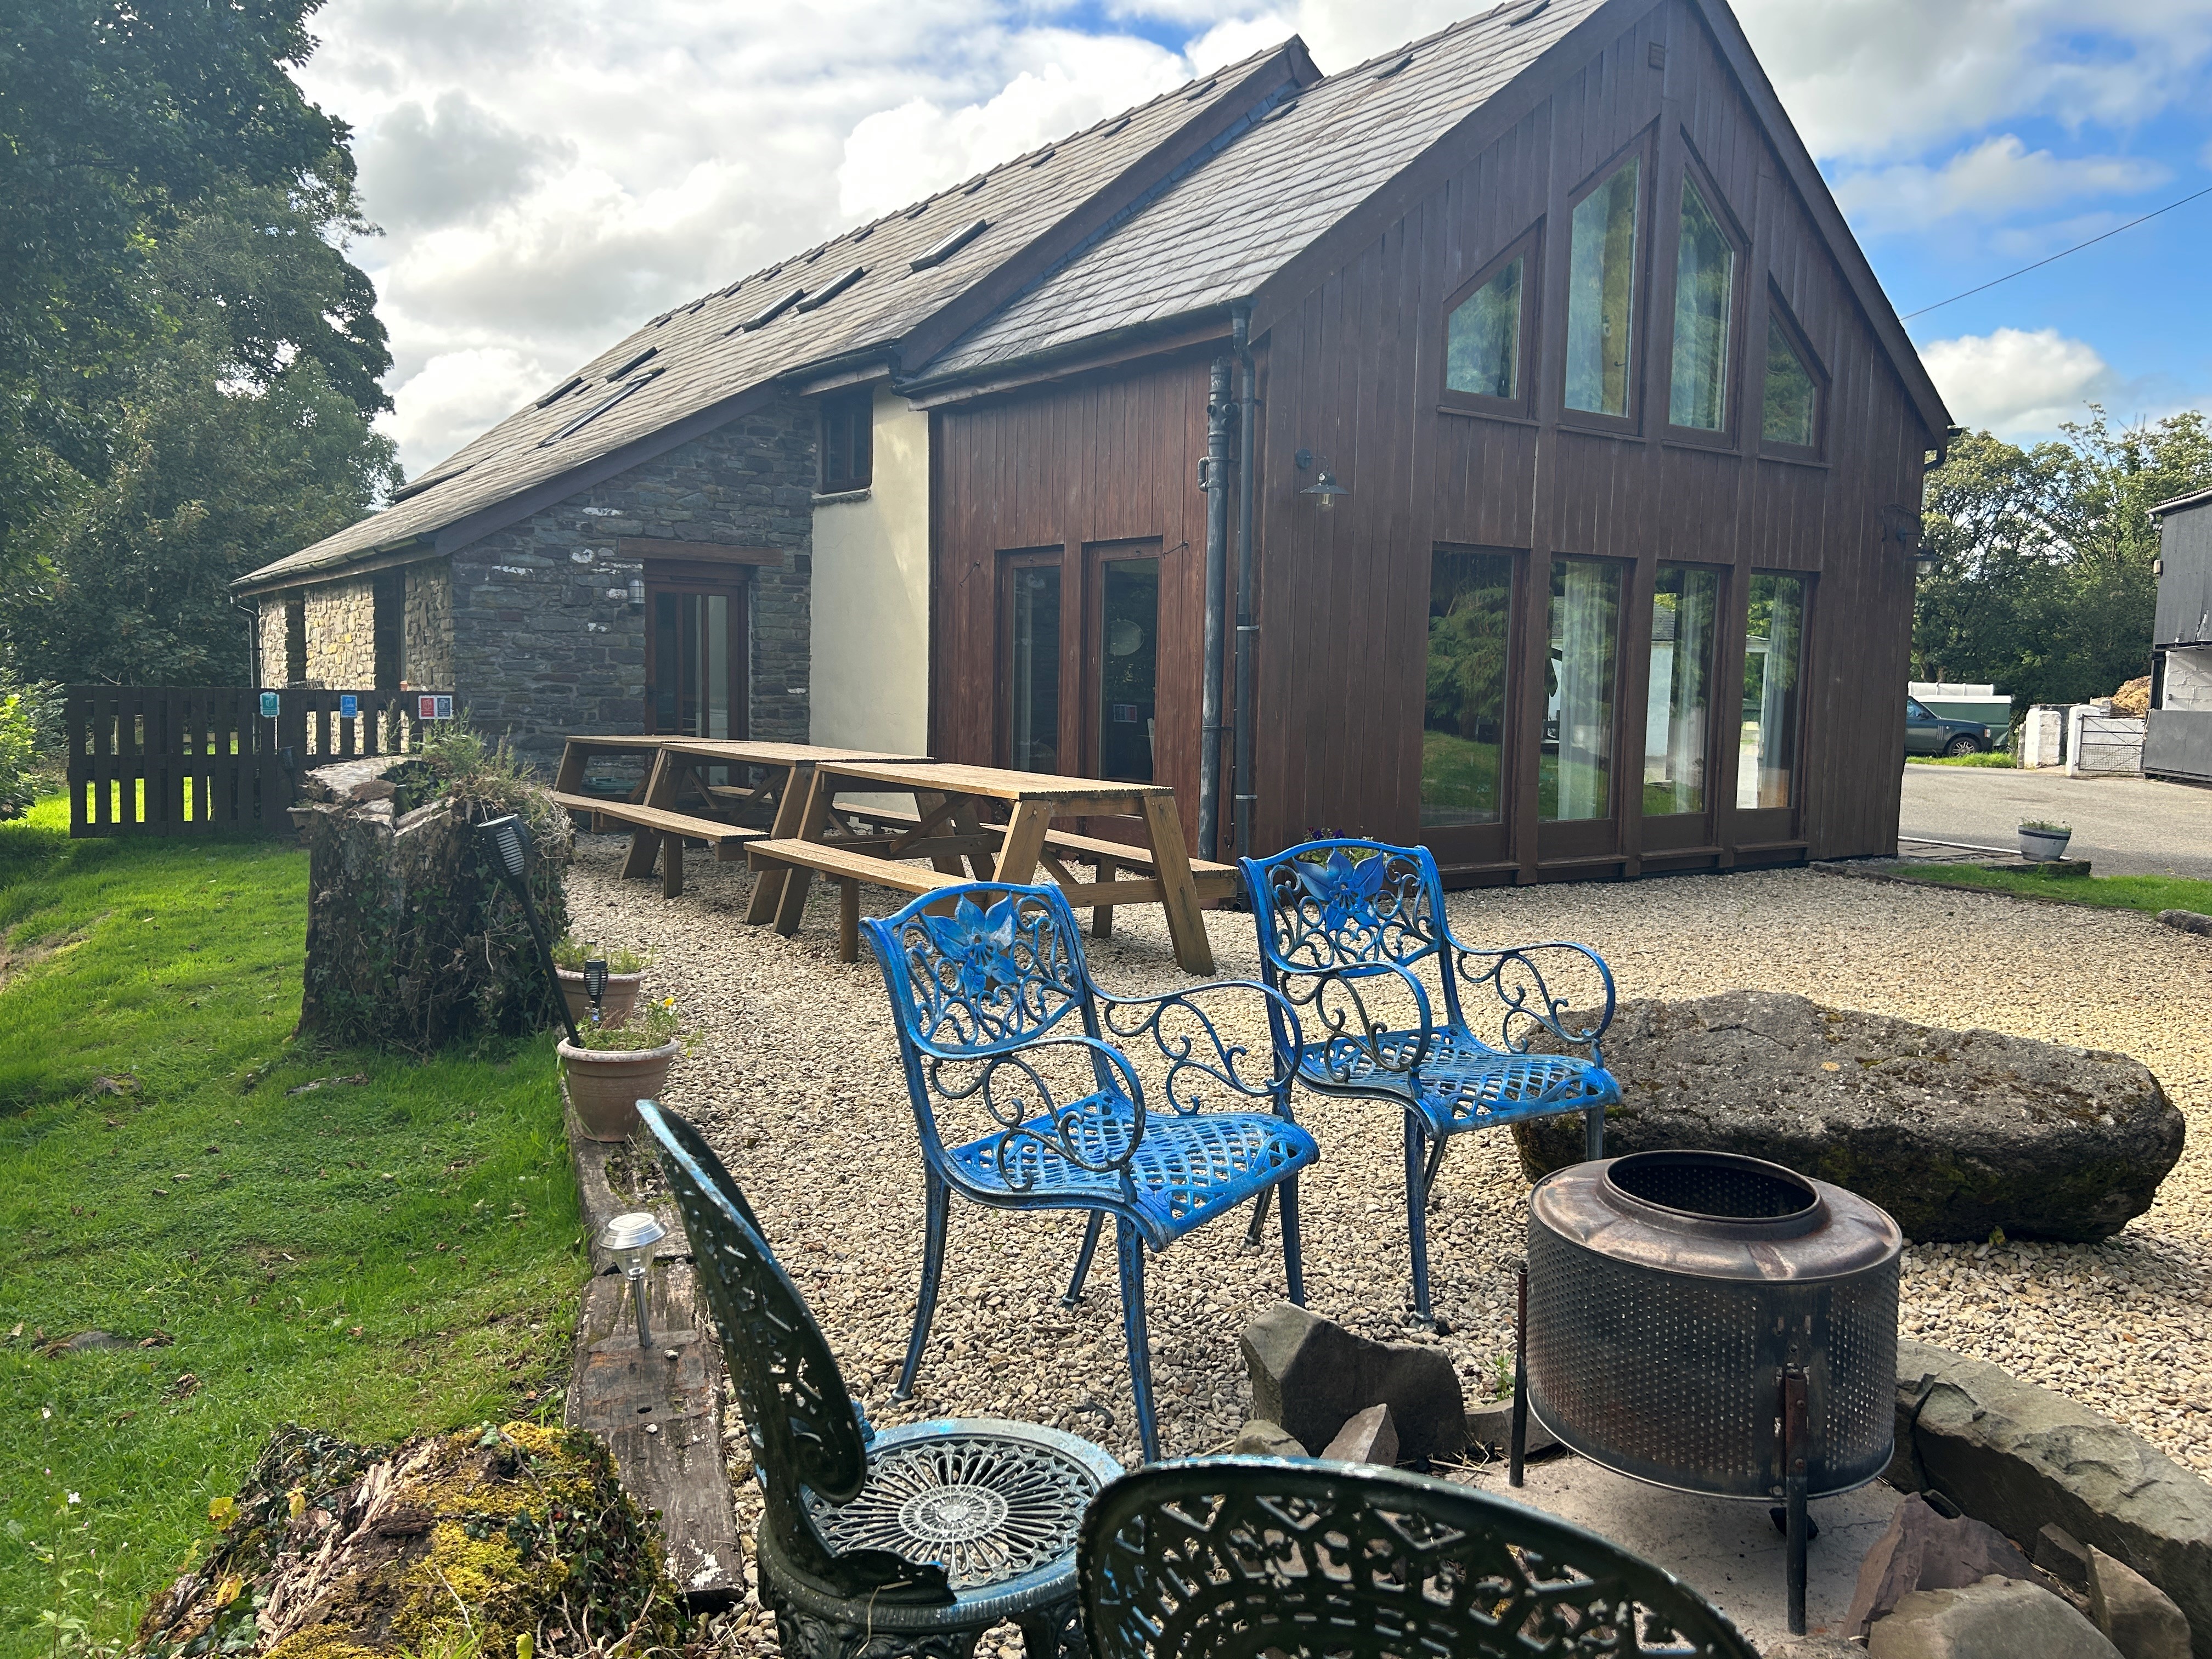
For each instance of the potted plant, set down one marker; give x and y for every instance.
(625, 970)
(2041, 842)
(619, 1065)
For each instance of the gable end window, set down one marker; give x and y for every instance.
(1791, 418)
(1483, 335)
(848, 447)
(1601, 294)
(1704, 308)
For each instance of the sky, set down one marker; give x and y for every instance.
(549, 173)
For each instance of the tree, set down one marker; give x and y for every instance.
(2045, 588)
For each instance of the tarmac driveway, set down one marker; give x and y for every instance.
(2123, 826)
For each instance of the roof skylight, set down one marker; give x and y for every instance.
(417, 487)
(599, 409)
(560, 391)
(950, 246)
(650, 351)
(822, 296)
(769, 312)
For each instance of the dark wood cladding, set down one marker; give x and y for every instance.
(1352, 370)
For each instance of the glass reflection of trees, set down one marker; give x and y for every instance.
(1678, 710)
(1577, 781)
(1463, 716)
(1773, 664)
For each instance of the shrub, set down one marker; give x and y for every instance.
(571, 953)
(650, 1025)
(19, 782)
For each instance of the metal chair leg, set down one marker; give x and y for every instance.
(1130, 1244)
(1417, 1215)
(939, 1205)
(1294, 1266)
(1436, 1163)
(1259, 1217)
(1082, 1259)
(1593, 1132)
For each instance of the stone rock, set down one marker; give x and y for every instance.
(1369, 1437)
(1816, 1647)
(1260, 1438)
(1492, 1426)
(84, 1342)
(1955, 1134)
(2063, 1556)
(343, 781)
(1921, 1550)
(2189, 921)
(2021, 1458)
(1995, 1619)
(1311, 1377)
(2139, 1618)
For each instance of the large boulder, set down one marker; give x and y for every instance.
(1997, 1619)
(1955, 1134)
(2024, 1458)
(1313, 1377)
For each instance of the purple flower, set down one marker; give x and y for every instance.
(980, 943)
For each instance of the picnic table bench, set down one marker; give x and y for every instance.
(664, 834)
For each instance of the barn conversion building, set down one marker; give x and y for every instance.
(1502, 444)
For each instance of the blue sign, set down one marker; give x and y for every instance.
(349, 706)
(271, 705)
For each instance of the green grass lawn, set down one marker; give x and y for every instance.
(396, 1250)
(1996, 757)
(2151, 893)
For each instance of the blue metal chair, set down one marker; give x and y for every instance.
(995, 1009)
(911, 1541)
(1344, 926)
(1230, 1557)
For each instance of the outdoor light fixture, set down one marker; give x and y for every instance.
(1902, 526)
(630, 1238)
(595, 982)
(510, 845)
(1325, 487)
(637, 593)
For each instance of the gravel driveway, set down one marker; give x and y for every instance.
(793, 1074)
(2123, 826)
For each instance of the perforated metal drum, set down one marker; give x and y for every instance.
(1668, 1291)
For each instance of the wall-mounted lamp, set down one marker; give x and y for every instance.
(629, 1239)
(637, 593)
(1325, 488)
(1901, 524)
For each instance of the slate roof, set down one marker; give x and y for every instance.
(688, 359)
(1219, 232)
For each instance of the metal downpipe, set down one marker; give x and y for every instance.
(1213, 476)
(1247, 630)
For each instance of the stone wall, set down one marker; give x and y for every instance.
(342, 634)
(544, 641)
(428, 659)
(269, 613)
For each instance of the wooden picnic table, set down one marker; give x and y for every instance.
(579, 749)
(947, 827)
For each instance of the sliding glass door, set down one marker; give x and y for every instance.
(1767, 767)
(1678, 716)
(695, 660)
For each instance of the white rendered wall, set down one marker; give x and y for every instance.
(870, 596)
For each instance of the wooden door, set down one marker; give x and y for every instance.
(694, 658)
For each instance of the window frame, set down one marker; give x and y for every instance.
(856, 408)
(1527, 247)
(1641, 150)
(1728, 435)
(1778, 311)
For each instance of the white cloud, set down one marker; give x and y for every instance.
(1991, 181)
(2015, 383)
(456, 395)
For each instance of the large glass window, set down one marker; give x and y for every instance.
(1575, 779)
(1033, 668)
(1482, 345)
(1792, 395)
(1678, 712)
(1704, 301)
(1773, 666)
(1463, 717)
(695, 648)
(1128, 665)
(1601, 295)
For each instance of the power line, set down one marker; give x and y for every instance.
(2039, 263)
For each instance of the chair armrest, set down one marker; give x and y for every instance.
(1194, 1048)
(1517, 978)
(1013, 1091)
(1341, 1006)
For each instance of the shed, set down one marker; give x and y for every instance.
(2177, 732)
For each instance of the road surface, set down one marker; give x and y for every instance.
(2123, 826)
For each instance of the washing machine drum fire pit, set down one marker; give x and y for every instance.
(1680, 1301)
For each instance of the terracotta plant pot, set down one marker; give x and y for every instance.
(605, 1085)
(2042, 846)
(615, 1003)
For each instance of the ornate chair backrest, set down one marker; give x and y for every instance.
(804, 1432)
(1237, 1557)
(1325, 906)
(975, 972)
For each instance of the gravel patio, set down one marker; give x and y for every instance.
(793, 1072)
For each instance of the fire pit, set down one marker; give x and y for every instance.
(1712, 1323)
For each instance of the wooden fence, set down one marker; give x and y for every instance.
(186, 760)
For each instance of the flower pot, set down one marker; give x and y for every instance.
(605, 1085)
(615, 1002)
(2042, 846)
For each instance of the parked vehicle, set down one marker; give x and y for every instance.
(1927, 732)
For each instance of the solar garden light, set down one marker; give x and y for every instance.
(510, 842)
(595, 982)
(630, 1238)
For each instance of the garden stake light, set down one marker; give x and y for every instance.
(630, 1238)
(511, 841)
(595, 982)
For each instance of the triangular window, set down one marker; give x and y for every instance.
(1793, 395)
(1482, 343)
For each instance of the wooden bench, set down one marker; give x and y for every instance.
(848, 869)
(650, 825)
